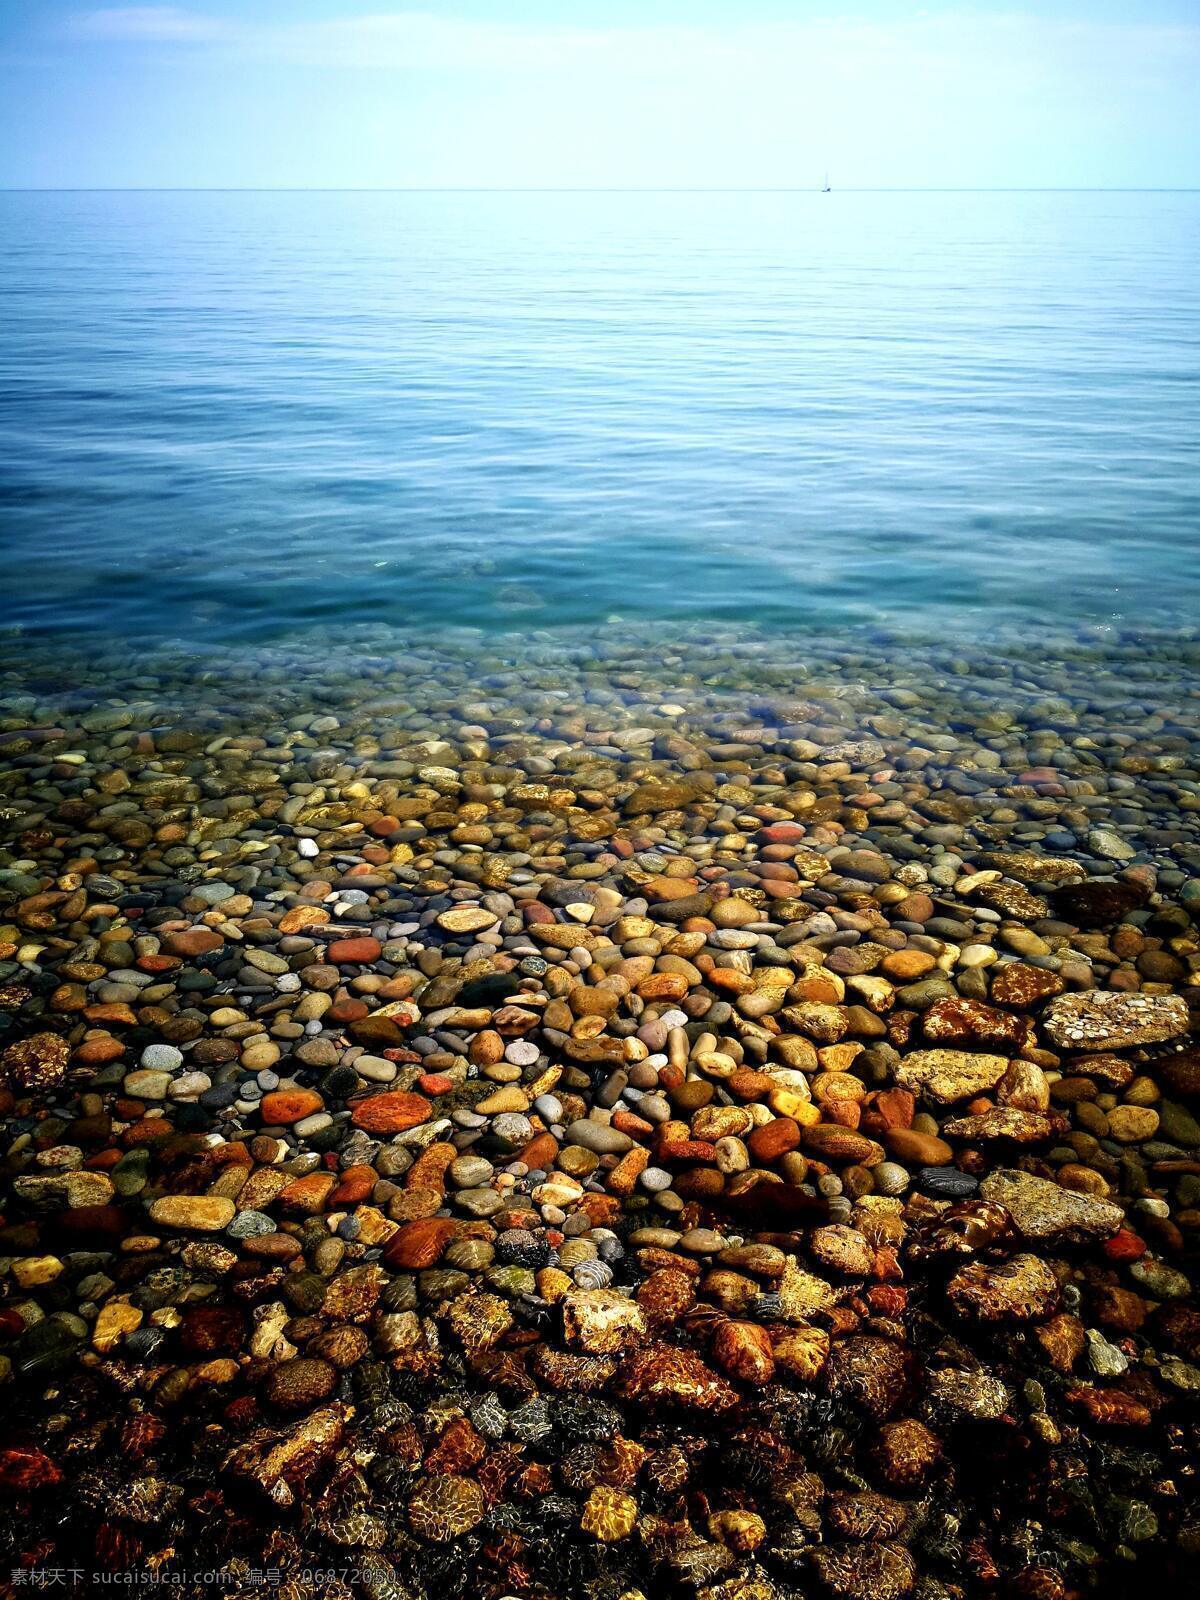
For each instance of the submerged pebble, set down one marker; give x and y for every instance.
(714, 1120)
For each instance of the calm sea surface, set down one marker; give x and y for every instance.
(234, 417)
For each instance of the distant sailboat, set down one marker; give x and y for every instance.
(826, 189)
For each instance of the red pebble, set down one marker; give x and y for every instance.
(1124, 1246)
(687, 1150)
(348, 1010)
(27, 1469)
(354, 951)
(635, 1127)
(783, 832)
(887, 1299)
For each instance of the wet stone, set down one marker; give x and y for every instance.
(945, 1076)
(679, 1114)
(1109, 1020)
(1043, 1210)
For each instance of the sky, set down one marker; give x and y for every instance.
(584, 94)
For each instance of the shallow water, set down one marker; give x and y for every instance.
(230, 417)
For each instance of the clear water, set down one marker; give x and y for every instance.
(238, 417)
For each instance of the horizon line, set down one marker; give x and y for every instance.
(148, 188)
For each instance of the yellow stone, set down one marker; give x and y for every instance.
(32, 1271)
(786, 1103)
(803, 1293)
(267, 1341)
(466, 919)
(552, 1284)
(544, 1084)
(509, 1098)
(609, 1515)
(719, 1122)
(199, 1212)
(558, 1190)
(221, 1370)
(839, 1057)
(739, 1530)
(116, 1319)
(601, 1321)
(877, 993)
(88, 1189)
(773, 978)
(1131, 1124)
(715, 1063)
(373, 1227)
(1142, 1091)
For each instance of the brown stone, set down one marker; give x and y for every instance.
(906, 1452)
(193, 942)
(877, 1374)
(841, 1249)
(38, 1062)
(282, 1107)
(1006, 1122)
(1063, 1339)
(918, 1149)
(832, 1142)
(1022, 1289)
(1098, 903)
(298, 1385)
(358, 951)
(306, 1196)
(659, 1375)
(1021, 986)
(419, 1244)
(962, 1021)
(394, 1111)
(773, 1139)
(743, 1349)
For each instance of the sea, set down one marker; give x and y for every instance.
(241, 420)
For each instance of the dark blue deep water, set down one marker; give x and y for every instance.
(235, 417)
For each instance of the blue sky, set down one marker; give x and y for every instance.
(628, 93)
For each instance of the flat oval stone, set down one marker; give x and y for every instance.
(201, 1213)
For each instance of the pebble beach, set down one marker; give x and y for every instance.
(658, 1111)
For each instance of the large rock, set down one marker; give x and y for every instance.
(38, 1062)
(1041, 1210)
(848, 1572)
(1023, 1289)
(949, 1075)
(200, 1213)
(959, 1020)
(1100, 902)
(601, 1320)
(662, 1376)
(1007, 1122)
(650, 798)
(394, 1111)
(1107, 1019)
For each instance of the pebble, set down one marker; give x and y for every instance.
(161, 1058)
(671, 1111)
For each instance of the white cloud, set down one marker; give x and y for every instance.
(415, 39)
(155, 24)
